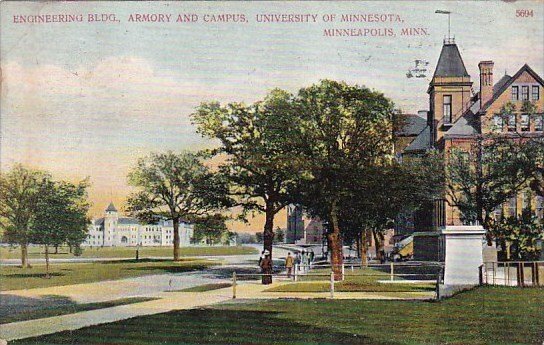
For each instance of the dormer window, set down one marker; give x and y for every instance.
(535, 93)
(447, 109)
(525, 93)
(515, 93)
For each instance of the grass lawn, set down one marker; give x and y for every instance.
(127, 252)
(14, 278)
(359, 280)
(482, 316)
(68, 309)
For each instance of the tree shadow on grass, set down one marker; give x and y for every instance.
(33, 275)
(11, 305)
(205, 326)
(168, 269)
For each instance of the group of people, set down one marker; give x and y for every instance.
(302, 260)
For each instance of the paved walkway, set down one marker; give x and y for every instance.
(169, 301)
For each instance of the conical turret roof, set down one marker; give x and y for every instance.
(111, 208)
(450, 63)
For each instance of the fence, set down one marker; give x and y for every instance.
(390, 277)
(513, 273)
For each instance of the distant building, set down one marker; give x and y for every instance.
(114, 231)
(302, 229)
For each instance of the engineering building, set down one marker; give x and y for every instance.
(458, 115)
(114, 231)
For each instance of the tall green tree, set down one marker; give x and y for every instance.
(60, 216)
(484, 176)
(520, 234)
(382, 193)
(260, 160)
(175, 186)
(345, 129)
(19, 195)
(212, 228)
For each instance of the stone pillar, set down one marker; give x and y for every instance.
(463, 247)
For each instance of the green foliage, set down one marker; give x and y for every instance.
(78, 251)
(260, 161)
(259, 237)
(61, 213)
(36, 209)
(279, 235)
(177, 187)
(212, 228)
(19, 195)
(486, 175)
(521, 234)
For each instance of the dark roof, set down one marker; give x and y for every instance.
(413, 125)
(450, 63)
(466, 125)
(126, 220)
(99, 221)
(509, 82)
(498, 85)
(422, 142)
(111, 208)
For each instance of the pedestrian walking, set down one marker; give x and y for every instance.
(298, 260)
(266, 268)
(289, 262)
(304, 260)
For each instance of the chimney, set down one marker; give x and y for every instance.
(486, 81)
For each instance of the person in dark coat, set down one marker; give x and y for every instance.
(266, 268)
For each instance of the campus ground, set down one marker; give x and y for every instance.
(487, 315)
(15, 278)
(127, 252)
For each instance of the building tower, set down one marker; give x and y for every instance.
(450, 92)
(110, 224)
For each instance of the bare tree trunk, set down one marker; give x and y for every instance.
(358, 244)
(378, 242)
(268, 234)
(175, 221)
(47, 276)
(335, 241)
(364, 248)
(56, 249)
(24, 256)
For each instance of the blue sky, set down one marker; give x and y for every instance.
(84, 99)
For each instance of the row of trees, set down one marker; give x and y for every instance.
(328, 148)
(36, 209)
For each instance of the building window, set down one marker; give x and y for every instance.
(539, 123)
(497, 124)
(447, 109)
(515, 93)
(535, 93)
(524, 122)
(525, 200)
(525, 93)
(540, 207)
(512, 123)
(512, 206)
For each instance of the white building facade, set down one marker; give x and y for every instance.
(115, 231)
